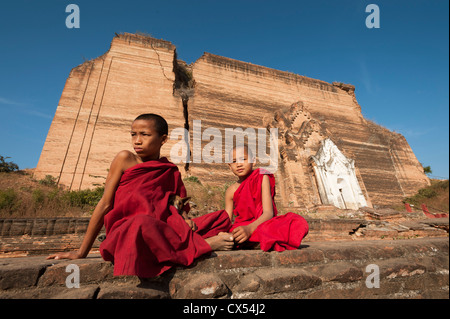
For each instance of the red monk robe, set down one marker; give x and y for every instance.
(145, 236)
(278, 233)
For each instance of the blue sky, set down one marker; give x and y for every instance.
(400, 70)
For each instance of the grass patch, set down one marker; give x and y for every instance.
(23, 196)
(435, 196)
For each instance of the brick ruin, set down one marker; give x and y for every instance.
(139, 74)
(335, 261)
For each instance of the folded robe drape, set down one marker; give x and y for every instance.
(144, 235)
(278, 233)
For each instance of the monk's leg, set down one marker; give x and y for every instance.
(211, 224)
(214, 228)
(222, 241)
(146, 247)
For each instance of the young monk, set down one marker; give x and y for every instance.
(145, 236)
(251, 200)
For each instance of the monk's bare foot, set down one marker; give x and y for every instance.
(222, 241)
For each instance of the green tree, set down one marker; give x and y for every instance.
(427, 170)
(7, 166)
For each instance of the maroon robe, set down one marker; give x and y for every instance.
(145, 236)
(278, 233)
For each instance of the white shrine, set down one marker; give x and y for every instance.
(336, 179)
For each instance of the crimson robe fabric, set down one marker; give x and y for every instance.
(278, 233)
(144, 235)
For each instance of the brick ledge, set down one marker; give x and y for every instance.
(414, 268)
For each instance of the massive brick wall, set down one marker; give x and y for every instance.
(137, 75)
(99, 101)
(230, 93)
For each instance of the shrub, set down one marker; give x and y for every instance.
(48, 180)
(8, 199)
(440, 184)
(83, 198)
(54, 194)
(38, 197)
(427, 192)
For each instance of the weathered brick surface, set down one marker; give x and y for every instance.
(21, 273)
(339, 272)
(100, 99)
(414, 268)
(199, 286)
(10, 227)
(225, 87)
(278, 280)
(91, 270)
(125, 291)
(137, 75)
(45, 235)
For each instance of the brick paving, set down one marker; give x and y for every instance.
(408, 268)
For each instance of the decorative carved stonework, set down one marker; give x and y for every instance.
(299, 137)
(315, 172)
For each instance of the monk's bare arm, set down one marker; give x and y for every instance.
(267, 205)
(118, 165)
(229, 206)
(122, 161)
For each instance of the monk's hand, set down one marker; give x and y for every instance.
(241, 234)
(191, 224)
(66, 255)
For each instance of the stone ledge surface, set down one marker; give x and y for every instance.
(413, 268)
(26, 237)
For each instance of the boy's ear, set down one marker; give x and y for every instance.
(164, 139)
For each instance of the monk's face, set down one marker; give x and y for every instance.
(242, 164)
(146, 140)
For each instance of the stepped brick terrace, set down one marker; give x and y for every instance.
(334, 261)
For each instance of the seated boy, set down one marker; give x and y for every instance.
(251, 200)
(145, 236)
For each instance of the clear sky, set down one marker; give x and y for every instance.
(400, 70)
